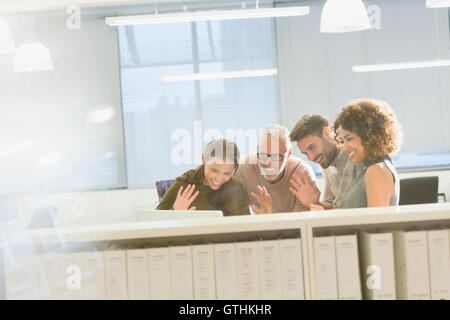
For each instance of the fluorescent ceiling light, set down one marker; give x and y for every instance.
(401, 66)
(207, 16)
(220, 75)
(438, 3)
(344, 16)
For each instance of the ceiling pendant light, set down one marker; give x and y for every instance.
(31, 57)
(344, 16)
(6, 39)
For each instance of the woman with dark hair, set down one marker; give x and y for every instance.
(369, 131)
(212, 185)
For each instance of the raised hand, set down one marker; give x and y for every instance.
(304, 189)
(264, 199)
(185, 198)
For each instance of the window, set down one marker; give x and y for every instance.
(168, 123)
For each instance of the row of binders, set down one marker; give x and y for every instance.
(265, 269)
(406, 265)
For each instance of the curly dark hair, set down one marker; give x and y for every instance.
(375, 123)
(309, 124)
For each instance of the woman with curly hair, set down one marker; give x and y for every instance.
(369, 131)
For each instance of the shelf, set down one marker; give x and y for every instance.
(230, 229)
(389, 218)
(235, 224)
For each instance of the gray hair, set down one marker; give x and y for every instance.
(276, 131)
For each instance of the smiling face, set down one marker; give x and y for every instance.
(272, 169)
(322, 150)
(352, 145)
(217, 172)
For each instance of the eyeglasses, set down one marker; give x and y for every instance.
(274, 156)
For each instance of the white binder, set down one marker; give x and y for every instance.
(291, 269)
(378, 268)
(137, 274)
(325, 268)
(247, 270)
(159, 273)
(269, 270)
(226, 272)
(204, 272)
(347, 262)
(181, 273)
(116, 275)
(439, 264)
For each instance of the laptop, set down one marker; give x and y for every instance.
(145, 214)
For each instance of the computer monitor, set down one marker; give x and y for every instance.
(143, 214)
(419, 190)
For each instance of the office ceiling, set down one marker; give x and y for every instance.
(47, 5)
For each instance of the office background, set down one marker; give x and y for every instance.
(102, 119)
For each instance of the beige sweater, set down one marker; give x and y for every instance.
(282, 199)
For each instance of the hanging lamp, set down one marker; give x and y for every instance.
(31, 57)
(344, 16)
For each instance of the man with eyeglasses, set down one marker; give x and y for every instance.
(267, 174)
